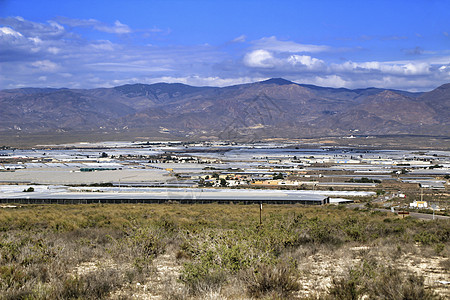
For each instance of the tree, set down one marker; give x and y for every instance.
(278, 176)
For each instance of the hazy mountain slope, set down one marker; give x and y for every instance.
(274, 107)
(57, 109)
(439, 100)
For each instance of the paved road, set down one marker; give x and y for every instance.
(411, 214)
(420, 215)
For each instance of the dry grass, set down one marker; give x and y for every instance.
(217, 252)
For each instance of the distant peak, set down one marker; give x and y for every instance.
(278, 81)
(444, 86)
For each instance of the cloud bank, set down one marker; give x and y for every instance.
(57, 54)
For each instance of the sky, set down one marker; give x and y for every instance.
(104, 43)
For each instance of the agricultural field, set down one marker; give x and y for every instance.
(212, 251)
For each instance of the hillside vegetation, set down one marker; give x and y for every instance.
(215, 251)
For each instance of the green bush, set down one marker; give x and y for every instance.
(426, 238)
(234, 258)
(203, 275)
(319, 231)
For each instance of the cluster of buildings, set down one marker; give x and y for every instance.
(223, 165)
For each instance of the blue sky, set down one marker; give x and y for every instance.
(353, 44)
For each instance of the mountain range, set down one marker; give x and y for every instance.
(271, 108)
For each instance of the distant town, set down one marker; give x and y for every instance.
(225, 172)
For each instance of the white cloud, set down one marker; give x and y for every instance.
(55, 25)
(265, 59)
(117, 28)
(50, 30)
(194, 80)
(410, 68)
(445, 70)
(329, 81)
(32, 51)
(239, 39)
(273, 44)
(45, 65)
(433, 60)
(104, 45)
(54, 50)
(416, 68)
(352, 82)
(259, 59)
(197, 80)
(128, 67)
(309, 62)
(24, 40)
(10, 32)
(35, 40)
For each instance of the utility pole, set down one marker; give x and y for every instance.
(260, 213)
(433, 207)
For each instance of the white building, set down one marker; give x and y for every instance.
(419, 204)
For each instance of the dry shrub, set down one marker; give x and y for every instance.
(445, 264)
(181, 254)
(344, 289)
(220, 247)
(94, 285)
(174, 290)
(375, 281)
(391, 284)
(271, 280)
(17, 294)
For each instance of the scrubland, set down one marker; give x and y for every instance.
(212, 251)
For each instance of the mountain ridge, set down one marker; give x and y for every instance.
(271, 108)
